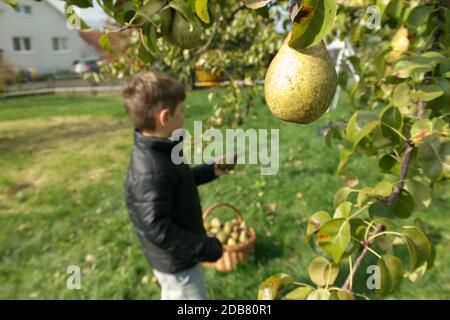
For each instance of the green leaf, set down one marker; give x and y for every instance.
(122, 11)
(201, 7)
(382, 4)
(74, 20)
(384, 243)
(269, 289)
(144, 54)
(408, 66)
(419, 247)
(302, 20)
(383, 189)
(403, 206)
(344, 156)
(420, 193)
(390, 120)
(431, 156)
(357, 228)
(352, 128)
(344, 295)
(380, 210)
(391, 273)
(319, 294)
(104, 42)
(322, 272)
(356, 62)
(418, 16)
(184, 9)
(255, 4)
(416, 274)
(263, 12)
(81, 3)
(421, 129)
(343, 210)
(315, 222)
(314, 20)
(395, 267)
(428, 92)
(341, 195)
(434, 56)
(393, 118)
(358, 121)
(387, 162)
(380, 140)
(368, 128)
(444, 69)
(300, 293)
(151, 12)
(364, 196)
(400, 96)
(442, 103)
(149, 38)
(334, 237)
(393, 12)
(440, 127)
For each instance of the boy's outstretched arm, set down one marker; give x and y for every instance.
(205, 173)
(153, 210)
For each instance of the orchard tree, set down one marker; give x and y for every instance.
(400, 116)
(400, 111)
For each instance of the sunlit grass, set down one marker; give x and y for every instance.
(63, 162)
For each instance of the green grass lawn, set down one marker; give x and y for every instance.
(63, 162)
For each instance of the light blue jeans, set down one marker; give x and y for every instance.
(184, 285)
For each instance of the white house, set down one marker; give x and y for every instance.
(36, 35)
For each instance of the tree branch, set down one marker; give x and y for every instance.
(210, 40)
(421, 112)
(406, 159)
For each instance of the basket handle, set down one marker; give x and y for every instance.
(223, 204)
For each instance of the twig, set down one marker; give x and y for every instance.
(421, 112)
(131, 26)
(210, 40)
(394, 195)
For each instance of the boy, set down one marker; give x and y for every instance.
(162, 198)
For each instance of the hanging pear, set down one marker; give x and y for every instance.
(184, 34)
(300, 84)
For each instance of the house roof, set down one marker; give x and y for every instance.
(92, 38)
(58, 5)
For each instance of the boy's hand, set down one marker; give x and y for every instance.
(221, 165)
(214, 250)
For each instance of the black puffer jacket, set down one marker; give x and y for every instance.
(164, 205)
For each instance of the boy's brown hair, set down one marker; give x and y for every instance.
(147, 93)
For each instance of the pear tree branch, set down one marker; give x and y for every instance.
(406, 159)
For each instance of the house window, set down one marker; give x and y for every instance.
(27, 9)
(60, 44)
(22, 44)
(23, 9)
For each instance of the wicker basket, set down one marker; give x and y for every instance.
(232, 254)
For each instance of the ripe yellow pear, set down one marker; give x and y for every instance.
(300, 84)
